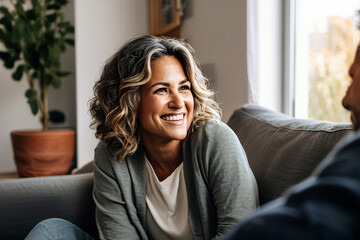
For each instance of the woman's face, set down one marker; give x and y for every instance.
(166, 102)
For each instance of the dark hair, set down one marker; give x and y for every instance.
(116, 100)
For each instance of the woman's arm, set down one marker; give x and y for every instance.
(112, 218)
(232, 183)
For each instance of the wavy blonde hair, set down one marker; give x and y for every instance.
(116, 100)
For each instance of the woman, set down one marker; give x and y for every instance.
(166, 167)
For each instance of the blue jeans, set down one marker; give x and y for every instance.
(57, 228)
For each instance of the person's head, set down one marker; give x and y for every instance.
(166, 103)
(115, 107)
(351, 100)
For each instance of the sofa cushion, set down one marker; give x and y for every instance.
(282, 150)
(87, 168)
(27, 201)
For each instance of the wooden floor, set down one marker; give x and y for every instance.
(8, 175)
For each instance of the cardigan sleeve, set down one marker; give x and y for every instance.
(230, 180)
(112, 217)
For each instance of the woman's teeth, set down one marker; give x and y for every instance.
(173, 118)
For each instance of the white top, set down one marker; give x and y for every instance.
(167, 206)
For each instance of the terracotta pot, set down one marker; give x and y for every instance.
(43, 153)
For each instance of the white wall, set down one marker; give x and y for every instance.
(217, 31)
(101, 28)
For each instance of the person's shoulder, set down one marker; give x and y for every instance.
(102, 149)
(101, 146)
(349, 143)
(343, 160)
(355, 137)
(214, 125)
(214, 130)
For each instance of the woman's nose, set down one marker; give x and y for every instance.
(351, 70)
(176, 101)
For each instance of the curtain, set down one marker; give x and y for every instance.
(253, 50)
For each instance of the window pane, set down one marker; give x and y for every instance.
(325, 41)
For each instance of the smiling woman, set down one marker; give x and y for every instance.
(165, 167)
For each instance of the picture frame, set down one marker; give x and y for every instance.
(165, 17)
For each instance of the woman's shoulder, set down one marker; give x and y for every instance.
(215, 127)
(213, 132)
(102, 149)
(101, 146)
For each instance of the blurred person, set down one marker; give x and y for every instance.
(327, 204)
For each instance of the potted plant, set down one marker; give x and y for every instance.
(34, 34)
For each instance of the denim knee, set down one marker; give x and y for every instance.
(57, 228)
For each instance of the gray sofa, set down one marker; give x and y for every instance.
(281, 150)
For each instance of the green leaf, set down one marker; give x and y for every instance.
(17, 75)
(34, 106)
(63, 24)
(62, 2)
(53, 6)
(9, 63)
(18, 30)
(9, 60)
(32, 56)
(51, 17)
(56, 82)
(6, 21)
(53, 79)
(30, 14)
(70, 41)
(47, 24)
(62, 45)
(37, 26)
(20, 9)
(32, 101)
(5, 56)
(2, 35)
(34, 2)
(70, 29)
(63, 73)
(5, 11)
(49, 36)
(31, 93)
(27, 33)
(54, 54)
(35, 75)
(38, 46)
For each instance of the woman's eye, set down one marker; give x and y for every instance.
(185, 87)
(160, 90)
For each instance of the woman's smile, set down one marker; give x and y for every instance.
(173, 117)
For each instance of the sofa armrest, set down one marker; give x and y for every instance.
(283, 150)
(25, 202)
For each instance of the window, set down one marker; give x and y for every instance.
(321, 40)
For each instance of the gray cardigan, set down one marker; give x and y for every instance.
(220, 186)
